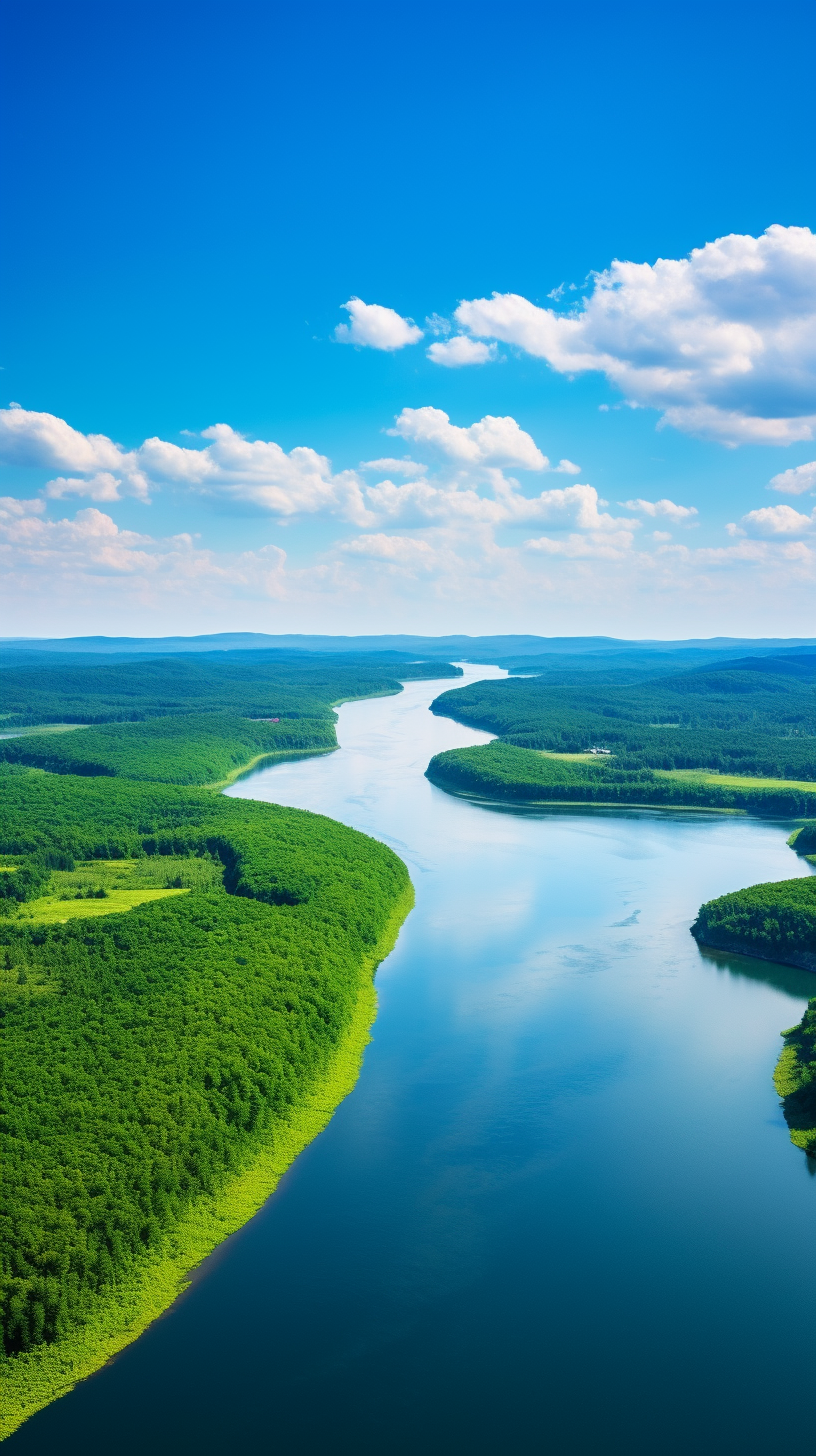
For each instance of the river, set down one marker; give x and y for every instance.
(560, 1212)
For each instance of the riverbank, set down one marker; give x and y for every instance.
(503, 771)
(31, 1381)
(774, 922)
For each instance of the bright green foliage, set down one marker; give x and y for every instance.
(732, 719)
(776, 921)
(499, 770)
(198, 749)
(145, 1052)
(795, 1079)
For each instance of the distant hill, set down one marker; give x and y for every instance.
(501, 648)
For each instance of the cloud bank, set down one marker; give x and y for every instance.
(723, 342)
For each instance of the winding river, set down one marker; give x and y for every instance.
(560, 1212)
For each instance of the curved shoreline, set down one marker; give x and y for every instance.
(32, 1381)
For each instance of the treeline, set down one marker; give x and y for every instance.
(198, 749)
(146, 1053)
(774, 921)
(244, 684)
(736, 718)
(501, 771)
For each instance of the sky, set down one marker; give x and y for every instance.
(431, 318)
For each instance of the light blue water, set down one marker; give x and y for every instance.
(560, 1212)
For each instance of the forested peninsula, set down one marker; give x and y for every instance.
(737, 735)
(187, 982)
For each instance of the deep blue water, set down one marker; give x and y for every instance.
(560, 1212)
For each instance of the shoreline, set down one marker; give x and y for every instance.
(31, 1381)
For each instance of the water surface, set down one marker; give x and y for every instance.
(560, 1212)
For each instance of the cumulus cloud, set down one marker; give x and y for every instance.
(722, 342)
(375, 327)
(776, 521)
(424, 502)
(389, 466)
(493, 440)
(31, 437)
(796, 481)
(665, 508)
(567, 467)
(100, 487)
(91, 541)
(229, 468)
(461, 350)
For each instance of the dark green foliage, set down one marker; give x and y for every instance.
(735, 718)
(804, 840)
(267, 685)
(143, 1052)
(775, 921)
(500, 770)
(198, 749)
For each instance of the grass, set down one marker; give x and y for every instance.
(32, 1381)
(283, 756)
(49, 910)
(733, 781)
(126, 882)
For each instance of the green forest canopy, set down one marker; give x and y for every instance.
(147, 1052)
(752, 716)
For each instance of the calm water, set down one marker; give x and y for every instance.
(560, 1212)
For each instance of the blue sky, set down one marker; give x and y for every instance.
(199, 189)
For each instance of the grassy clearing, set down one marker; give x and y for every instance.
(573, 757)
(31, 1381)
(53, 911)
(733, 781)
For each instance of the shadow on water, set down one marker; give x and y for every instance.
(790, 980)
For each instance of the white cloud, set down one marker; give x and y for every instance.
(777, 521)
(596, 545)
(100, 487)
(567, 467)
(92, 542)
(389, 466)
(494, 440)
(795, 481)
(425, 502)
(407, 552)
(722, 342)
(229, 468)
(665, 508)
(461, 350)
(376, 327)
(12, 509)
(661, 535)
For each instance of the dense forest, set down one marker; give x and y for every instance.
(143, 1051)
(663, 740)
(776, 922)
(270, 684)
(498, 770)
(752, 716)
(149, 1053)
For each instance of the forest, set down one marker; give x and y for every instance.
(751, 716)
(57, 689)
(664, 739)
(150, 1053)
